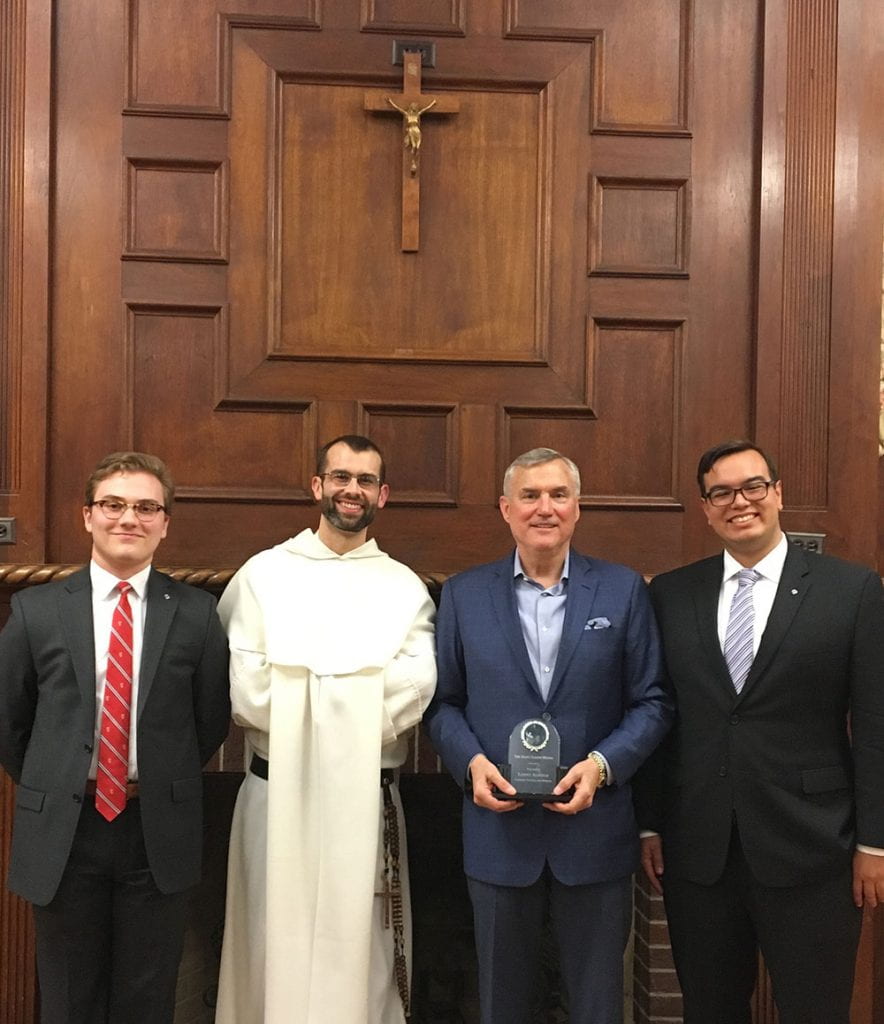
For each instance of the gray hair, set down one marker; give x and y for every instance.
(539, 457)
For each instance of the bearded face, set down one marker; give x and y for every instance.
(347, 511)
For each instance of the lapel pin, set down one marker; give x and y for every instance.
(794, 591)
(166, 596)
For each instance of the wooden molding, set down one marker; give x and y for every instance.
(25, 73)
(162, 204)
(577, 21)
(12, 42)
(386, 16)
(213, 31)
(807, 250)
(17, 576)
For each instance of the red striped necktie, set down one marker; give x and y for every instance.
(113, 750)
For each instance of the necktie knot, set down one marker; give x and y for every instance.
(123, 588)
(748, 577)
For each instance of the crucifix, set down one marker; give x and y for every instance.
(411, 105)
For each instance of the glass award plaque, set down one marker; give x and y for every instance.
(533, 763)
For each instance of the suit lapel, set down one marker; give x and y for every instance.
(583, 584)
(707, 591)
(793, 586)
(75, 608)
(503, 599)
(162, 604)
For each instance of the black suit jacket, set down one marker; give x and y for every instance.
(779, 757)
(47, 725)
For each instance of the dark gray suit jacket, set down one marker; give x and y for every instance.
(779, 757)
(47, 725)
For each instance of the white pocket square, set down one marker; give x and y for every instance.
(598, 623)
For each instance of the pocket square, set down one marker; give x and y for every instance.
(598, 623)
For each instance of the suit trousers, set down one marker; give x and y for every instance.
(109, 943)
(591, 926)
(808, 935)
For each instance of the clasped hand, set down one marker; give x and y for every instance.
(583, 777)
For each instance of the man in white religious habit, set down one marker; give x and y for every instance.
(332, 663)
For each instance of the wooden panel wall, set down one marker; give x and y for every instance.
(651, 224)
(250, 297)
(815, 366)
(682, 267)
(25, 67)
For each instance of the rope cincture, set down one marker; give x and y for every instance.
(393, 893)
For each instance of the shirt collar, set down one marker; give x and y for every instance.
(104, 583)
(519, 571)
(770, 567)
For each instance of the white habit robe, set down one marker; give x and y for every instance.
(332, 663)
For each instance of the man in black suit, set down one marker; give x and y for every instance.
(764, 805)
(108, 866)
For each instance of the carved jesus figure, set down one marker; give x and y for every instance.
(412, 114)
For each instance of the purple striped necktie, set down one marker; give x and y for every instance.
(740, 636)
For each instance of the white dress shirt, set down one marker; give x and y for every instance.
(763, 592)
(542, 618)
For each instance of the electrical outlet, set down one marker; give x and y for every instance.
(7, 530)
(811, 542)
(427, 50)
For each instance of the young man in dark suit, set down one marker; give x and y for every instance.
(547, 638)
(113, 695)
(764, 803)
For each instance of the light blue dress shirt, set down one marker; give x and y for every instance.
(542, 616)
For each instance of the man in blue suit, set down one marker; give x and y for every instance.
(550, 635)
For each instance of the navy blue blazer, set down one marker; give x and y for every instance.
(606, 694)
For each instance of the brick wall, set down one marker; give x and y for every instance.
(656, 995)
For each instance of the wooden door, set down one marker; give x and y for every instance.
(230, 289)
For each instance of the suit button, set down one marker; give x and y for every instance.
(546, 716)
(722, 771)
(77, 798)
(735, 719)
(87, 747)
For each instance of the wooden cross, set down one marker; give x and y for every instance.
(411, 105)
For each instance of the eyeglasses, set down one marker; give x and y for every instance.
(113, 508)
(753, 490)
(340, 477)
